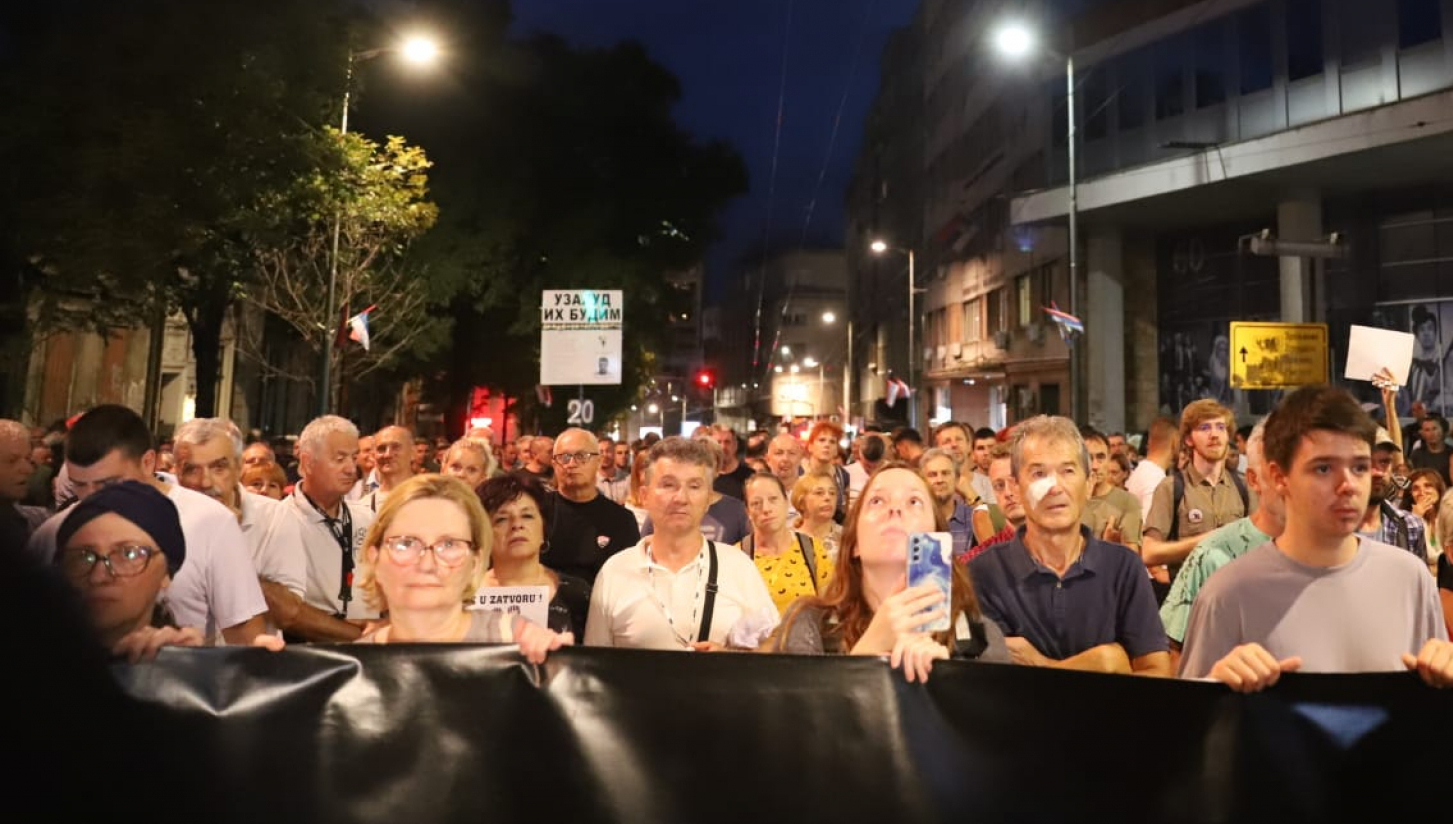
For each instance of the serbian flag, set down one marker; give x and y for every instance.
(1066, 323)
(358, 327)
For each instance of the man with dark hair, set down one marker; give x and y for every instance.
(217, 590)
(1159, 457)
(1431, 450)
(1320, 598)
(733, 472)
(907, 445)
(871, 450)
(1111, 513)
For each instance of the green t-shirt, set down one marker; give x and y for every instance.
(1218, 549)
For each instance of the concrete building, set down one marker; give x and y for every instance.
(1210, 121)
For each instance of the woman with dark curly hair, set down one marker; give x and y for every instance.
(519, 512)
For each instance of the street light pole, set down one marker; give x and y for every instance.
(912, 346)
(1074, 256)
(325, 390)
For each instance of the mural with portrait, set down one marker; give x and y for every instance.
(1430, 376)
(1204, 283)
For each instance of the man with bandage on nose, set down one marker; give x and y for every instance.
(1063, 597)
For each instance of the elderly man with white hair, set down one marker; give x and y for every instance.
(209, 461)
(333, 530)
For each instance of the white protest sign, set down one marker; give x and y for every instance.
(580, 336)
(531, 602)
(1370, 349)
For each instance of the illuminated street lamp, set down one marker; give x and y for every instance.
(419, 51)
(880, 247)
(1014, 39)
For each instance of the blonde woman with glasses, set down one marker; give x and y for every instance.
(424, 557)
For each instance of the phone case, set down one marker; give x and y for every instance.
(930, 561)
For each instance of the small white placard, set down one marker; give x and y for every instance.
(531, 602)
(1370, 350)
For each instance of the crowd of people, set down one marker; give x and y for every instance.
(1311, 540)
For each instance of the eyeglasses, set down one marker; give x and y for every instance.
(1211, 426)
(406, 549)
(567, 458)
(122, 562)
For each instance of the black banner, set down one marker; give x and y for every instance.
(471, 734)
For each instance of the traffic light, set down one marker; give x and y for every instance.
(705, 379)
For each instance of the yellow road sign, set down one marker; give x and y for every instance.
(1277, 355)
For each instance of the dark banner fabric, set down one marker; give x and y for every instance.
(470, 734)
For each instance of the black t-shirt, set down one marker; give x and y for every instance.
(583, 536)
(734, 483)
(1445, 573)
(1436, 461)
(569, 606)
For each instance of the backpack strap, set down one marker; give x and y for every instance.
(704, 633)
(804, 543)
(1178, 497)
(1241, 488)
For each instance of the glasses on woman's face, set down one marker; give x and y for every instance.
(407, 549)
(123, 561)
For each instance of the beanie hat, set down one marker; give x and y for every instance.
(140, 504)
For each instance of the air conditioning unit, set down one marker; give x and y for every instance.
(1001, 338)
(956, 349)
(1035, 332)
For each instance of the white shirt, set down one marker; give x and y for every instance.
(275, 540)
(363, 487)
(324, 558)
(1142, 483)
(982, 485)
(857, 479)
(217, 584)
(632, 597)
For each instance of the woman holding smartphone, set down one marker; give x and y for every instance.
(868, 607)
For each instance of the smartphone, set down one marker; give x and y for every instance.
(930, 561)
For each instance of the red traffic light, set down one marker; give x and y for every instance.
(706, 379)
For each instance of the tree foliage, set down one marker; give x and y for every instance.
(377, 196)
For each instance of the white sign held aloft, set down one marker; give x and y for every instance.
(580, 336)
(531, 602)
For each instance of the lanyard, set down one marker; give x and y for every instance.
(342, 529)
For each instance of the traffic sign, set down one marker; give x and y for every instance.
(580, 336)
(1277, 355)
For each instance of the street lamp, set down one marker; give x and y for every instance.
(417, 50)
(829, 318)
(1014, 39)
(880, 247)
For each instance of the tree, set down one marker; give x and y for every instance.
(150, 131)
(566, 170)
(375, 199)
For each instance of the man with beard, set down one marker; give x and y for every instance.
(1201, 496)
(209, 461)
(1383, 521)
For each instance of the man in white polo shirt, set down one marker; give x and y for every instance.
(216, 590)
(209, 461)
(333, 529)
(657, 594)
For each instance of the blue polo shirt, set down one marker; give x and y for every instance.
(1105, 597)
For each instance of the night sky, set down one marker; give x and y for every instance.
(728, 56)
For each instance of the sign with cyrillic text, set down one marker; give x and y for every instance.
(580, 336)
(1277, 355)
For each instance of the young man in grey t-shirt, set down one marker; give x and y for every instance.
(1319, 598)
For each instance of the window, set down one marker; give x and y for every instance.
(1419, 21)
(1360, 39)
(996, 310)
(1253, 38)
(1304, 38)
(973, 320)
(1210, 64)
(1024, 288)
(1096, 94)
(1170, 81)
(1131, 101)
